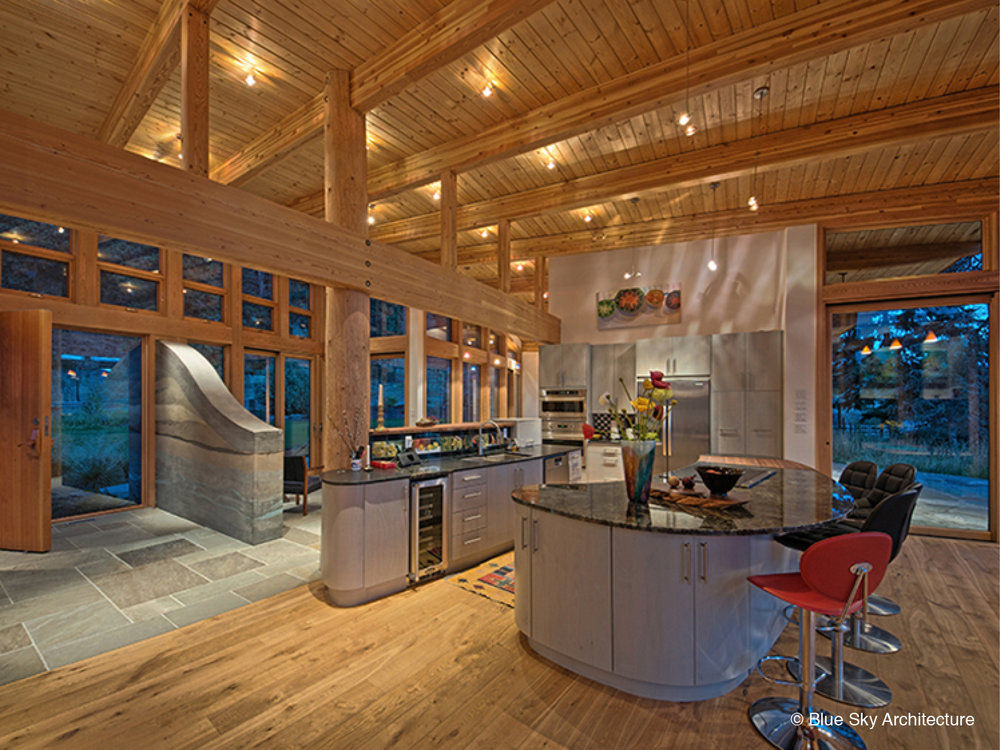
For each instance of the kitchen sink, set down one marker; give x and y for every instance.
(492, 458)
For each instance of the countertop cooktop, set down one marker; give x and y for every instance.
(435, 467)
(789, 500)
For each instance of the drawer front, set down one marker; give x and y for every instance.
(469, 543)
(468, 477)
(465, 498)
(465, 521)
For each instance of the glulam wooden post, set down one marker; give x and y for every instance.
(194, 90)
(540, 282)
(449, 220)
(346, 345)
(503, 255)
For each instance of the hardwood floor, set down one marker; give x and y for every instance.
(442, 667)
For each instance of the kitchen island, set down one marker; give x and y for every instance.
(369, 536)
(654, 601)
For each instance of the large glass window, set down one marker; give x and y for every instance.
(387, 319)
(438, 327)
(204, 271)
(911, 385)
(128, 291)
(472, 336)
(297, 402)
(259, 385)
(29, 273)
(389, 372)
(258, 283)
(258, 316)
(494, 391)
(439, 389)
(96, 422)
(35, 233)
(204, 305)
(299, 316)
(470, 392)
(129, 254)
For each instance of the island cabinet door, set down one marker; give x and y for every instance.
(522, 569)
(721, 608)
(571, 587)
(387, 542)
(500, 482)
(531, 472)
(653, 606)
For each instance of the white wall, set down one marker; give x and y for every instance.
(765, 282)
(529, 384)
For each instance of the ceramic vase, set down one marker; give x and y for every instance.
(637, 460)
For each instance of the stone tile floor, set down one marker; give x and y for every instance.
(119, 578)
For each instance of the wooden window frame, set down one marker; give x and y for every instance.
(45, 253)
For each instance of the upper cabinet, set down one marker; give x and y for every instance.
(609, 362)
(564, 366)
(674, 356)
(747, 361)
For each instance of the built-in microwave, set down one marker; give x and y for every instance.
(563, 403)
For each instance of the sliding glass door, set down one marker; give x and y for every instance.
(911, 384)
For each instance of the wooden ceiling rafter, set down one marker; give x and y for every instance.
(961, 112)
(806, 34)
(158, 58)
(447, 35)
(970, 199)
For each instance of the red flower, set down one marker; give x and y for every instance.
(657, 377)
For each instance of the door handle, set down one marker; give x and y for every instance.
(534, 535)
(686, 562)
(524, 542)
(703, 549)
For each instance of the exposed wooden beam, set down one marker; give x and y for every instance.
(194, 89)
(857, 258)
(811, 33)
(295, 130)
(449, 34)
(158, 58)
(344, 161)
(503, 255)
(953, 201)
(951, 114)
(539, 282)
(133, 197)
(449, 207)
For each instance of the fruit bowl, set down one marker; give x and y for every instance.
(719, 479)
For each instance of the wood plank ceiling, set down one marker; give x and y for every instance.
(931, 67)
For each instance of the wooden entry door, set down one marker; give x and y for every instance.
(25, 436)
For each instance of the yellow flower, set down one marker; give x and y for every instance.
(647, 385)
(641, 404)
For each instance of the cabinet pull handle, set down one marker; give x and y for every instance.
(534, 535)
(686, 562)
(472, 478)
(473, 541)
(704, 560)
(524, 543)
(473, 518)
(472, 494)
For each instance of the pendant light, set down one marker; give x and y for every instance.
(713, 266)
(759, 95)
(632, 273)
(685, 119)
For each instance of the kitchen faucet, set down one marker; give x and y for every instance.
(482, 445)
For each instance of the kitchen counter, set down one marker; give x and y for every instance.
(655, 601)
(790, 500)
(433, 466)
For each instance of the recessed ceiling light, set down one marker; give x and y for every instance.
(180, 156)
(588, 218)
(437, 195)
(484, 234)
(545, 295)
(249, 80)
(519, 267)
(684, 119)
(371, 219)
(712, 265)
(752, 203)
(550, 165)
(690, 130)
(487, 90)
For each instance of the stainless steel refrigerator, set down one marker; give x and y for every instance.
(686, 431)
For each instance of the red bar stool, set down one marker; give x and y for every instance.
(835, 575)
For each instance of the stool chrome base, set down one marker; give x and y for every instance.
(859, 687)
(772, 717)
(882, 605)
(870, 638)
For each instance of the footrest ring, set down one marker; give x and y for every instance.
(775, 680)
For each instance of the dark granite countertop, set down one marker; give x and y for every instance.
(791, 499)
(433, 467)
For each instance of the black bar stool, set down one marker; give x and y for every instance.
(858, 478)
(835, 575)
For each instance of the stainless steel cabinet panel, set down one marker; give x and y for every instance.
(624, 367)
(387, 537)
(603, 374)
(575, 366)
(764, 423)
(729, 361)
(764, 361)
(690, 355)
(728, 423)
(721, 608)
(660, 602)
(571, 574)
(549, 361)
(651, 354)
(500, 482)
